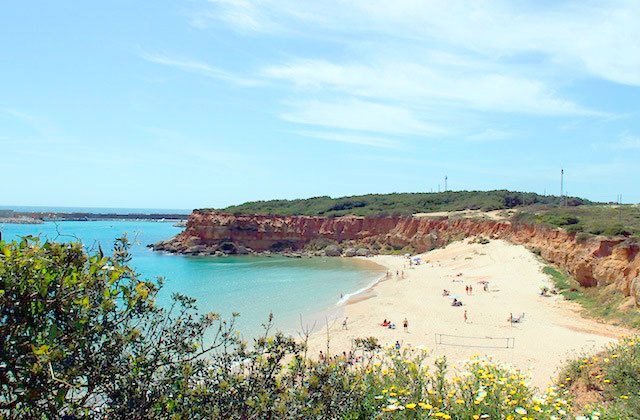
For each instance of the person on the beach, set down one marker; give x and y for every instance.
(406, 325)
(470, 289)
(321, 357)
(466, 318)
(397, 345)
(466, 289)
(344, 323)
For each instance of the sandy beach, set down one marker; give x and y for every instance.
(551, 331)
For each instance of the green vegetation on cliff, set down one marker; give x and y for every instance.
(602, 303)
(400, 203)
(607, 220)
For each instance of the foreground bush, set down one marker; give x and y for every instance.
(609, 382)
(81, 336)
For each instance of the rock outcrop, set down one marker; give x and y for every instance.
(593, 261)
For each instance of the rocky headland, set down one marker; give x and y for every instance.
(591, 260)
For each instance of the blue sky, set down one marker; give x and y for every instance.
(195, 103)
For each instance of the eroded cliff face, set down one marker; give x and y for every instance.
(594, 261)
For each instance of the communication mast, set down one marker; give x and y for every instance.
(445, 183)
(562, 186)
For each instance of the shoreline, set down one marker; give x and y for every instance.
(355, 296)
(552, 331)
(336, 311)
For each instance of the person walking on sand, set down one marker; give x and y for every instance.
(406, 325)
(470, 289)
(344, 323)
(466, 318)
(397, 345)
(466, 289)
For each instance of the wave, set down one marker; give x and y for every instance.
(345, 298)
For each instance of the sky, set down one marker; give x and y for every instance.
(197, 103)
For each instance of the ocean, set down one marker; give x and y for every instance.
(297, 290)
(93, 210)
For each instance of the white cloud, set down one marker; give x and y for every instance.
(198, 67)
(428, 83)
(415, 67)
(353, 114)
(599, 38)
(363, 140)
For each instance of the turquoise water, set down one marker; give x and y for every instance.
(252, 286)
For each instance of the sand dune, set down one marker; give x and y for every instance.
(551, 332)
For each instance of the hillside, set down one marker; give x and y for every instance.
(400, 203)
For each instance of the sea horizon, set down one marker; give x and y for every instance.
(94, 210)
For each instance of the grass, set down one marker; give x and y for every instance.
(607, 220)
(597, 302)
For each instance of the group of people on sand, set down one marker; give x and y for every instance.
(388, 324)
(469, 289)
(344, 358)
(399, 274)
(455, 301)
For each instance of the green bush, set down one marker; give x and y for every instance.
(611, 377)
(81, 333)
(575, 228)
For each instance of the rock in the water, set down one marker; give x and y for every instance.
(332, 251)
(350, 252)
(243, 250)
(362, 252)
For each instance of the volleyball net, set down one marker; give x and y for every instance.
(475, 341)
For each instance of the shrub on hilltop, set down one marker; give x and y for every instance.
(400, 203)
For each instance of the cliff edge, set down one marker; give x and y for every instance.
(592, 261)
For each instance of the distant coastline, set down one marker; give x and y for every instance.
(40, 215)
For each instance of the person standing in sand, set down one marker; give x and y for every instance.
(406, 325)
(344, 323)
(466, 318)
(466, 289)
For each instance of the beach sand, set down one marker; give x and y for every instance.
(552, 330)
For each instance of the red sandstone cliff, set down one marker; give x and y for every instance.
(592, 261)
